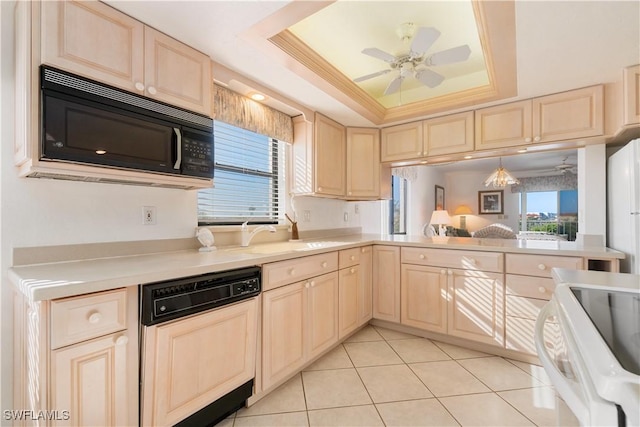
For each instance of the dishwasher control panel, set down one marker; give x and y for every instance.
(172, 299)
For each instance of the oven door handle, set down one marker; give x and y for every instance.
(560, 382)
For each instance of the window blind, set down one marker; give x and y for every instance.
(247, 175)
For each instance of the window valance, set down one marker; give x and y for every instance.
(567, 181)
(237, 110)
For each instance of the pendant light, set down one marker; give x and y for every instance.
(500, 178)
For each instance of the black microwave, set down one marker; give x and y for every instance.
(87, 122)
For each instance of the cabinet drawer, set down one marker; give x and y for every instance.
(350, 257)
(81, 318)
(525, 308)
(281, 273)
(540, 265)
(532, 287)
(467, 260)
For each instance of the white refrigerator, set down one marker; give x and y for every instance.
(623, 205)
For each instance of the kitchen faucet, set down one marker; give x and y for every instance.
(246, 236)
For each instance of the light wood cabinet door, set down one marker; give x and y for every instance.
(449, 134)
(569, 115)
(632, 95)
(90, 381)
(330, 156)
(93, 40)
(401, 142)
(322, 312)
(283, 332)
(176, 73)
(363, 163)
(386, 283)
(506, 125)
(476, 306)
(365, 304)
(424, 297)
(198, 359)
(348, 307)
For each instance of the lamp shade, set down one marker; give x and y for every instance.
(440, 217)
(463, 210)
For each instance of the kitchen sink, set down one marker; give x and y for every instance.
(279, 247)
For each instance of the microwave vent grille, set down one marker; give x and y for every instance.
(87, 86)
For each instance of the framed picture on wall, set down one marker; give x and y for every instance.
(490, 202)
(439, 198)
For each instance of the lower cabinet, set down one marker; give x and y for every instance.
(349, 283)
(386, 283)
(476, 301)
(461, 303)
(90, 381)
(355, 276)
(299, 321)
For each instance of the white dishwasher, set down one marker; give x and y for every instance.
(198, 347)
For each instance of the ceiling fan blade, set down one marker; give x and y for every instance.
(379, 54)
(449, 56)
(423, 40)
(394, 86)
(429, 78)
(370, 76)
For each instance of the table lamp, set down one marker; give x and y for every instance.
(441, 218)
(463, 210)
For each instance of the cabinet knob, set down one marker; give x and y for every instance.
(313, 283)
(139, 86)
(122, 340)
(419, 153)
(472, 261)
(353, 270)
(362, 250)
(422, 256)
(443, 271)
(292, 271)
(450, 273)
(350, 193)
(352, 257)
(152, 90)
(319, 188)
(527, 139)
(536, 139)
(541, 266)
(95, 317)
(306, 285)
(324, 264)
(542, 290)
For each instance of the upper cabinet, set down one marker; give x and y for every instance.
(448, 134)
(562, 116)
(363, 163)
(330, 154)
(632, 95)
(96, 41)
(402, 142)
(329, 160)
(503, 125)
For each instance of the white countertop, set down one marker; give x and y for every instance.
(596, 278)
(62, 279)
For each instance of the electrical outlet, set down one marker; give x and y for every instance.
(346, 217)
(148, 215)
(356, 209)
(306, 216)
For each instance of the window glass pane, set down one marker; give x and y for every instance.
(398, 214)
(246, 178)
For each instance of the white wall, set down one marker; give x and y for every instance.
(325, 213)
(462, 189)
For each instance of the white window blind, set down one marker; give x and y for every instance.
(248, 172)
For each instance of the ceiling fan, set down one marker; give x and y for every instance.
(563, 168)
(416, 62)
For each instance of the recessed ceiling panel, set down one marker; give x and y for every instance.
(339, 32)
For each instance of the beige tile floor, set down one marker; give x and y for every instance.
(380, 377)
